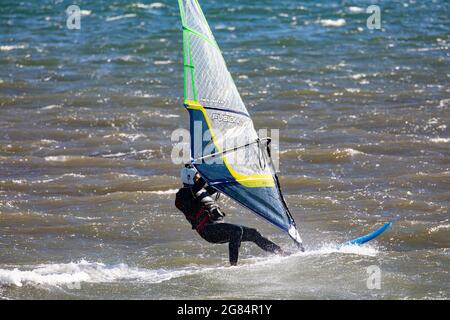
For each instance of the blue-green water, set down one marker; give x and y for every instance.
(86, 181)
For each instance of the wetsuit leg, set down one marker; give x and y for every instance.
(234, 235)
(253, 235)
(222, 233)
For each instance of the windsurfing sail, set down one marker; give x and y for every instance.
(225, 147)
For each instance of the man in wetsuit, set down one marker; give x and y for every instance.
(201, 210)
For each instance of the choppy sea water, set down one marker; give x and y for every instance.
(87, 184)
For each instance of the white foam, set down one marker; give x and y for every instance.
(440, 140)
(58, 158)
(127, 58)
(148, 152)
(363, 250)
(19, 181)
(326, 249)
(358, 76)
(162, 62)
(75, 175)
(75, 273)
(52, 106)
(169, 116)
(114, 155)
(354, 9)
(47, 141)
(131, 136)
(154, 5)
(444, 103)
(12, 47)
(72, 175)
(124, 16)
(352, 152)
(158, 114)
(437, 228)
(332, 23)
(57, 274)
(162, 192)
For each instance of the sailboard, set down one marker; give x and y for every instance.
(366, 238)
(225, 147)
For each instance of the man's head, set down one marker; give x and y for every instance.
(189, 175)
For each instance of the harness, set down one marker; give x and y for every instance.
(196, 213)
(201, 218)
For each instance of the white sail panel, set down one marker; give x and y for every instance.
(213, 82)
(195, 19)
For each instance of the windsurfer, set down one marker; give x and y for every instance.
(195, 200)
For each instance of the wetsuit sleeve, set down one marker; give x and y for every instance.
(210, 190)
(200, 184)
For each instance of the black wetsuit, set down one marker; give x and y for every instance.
(202, 211)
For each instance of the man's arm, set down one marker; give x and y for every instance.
(200, 184)
(204, 196)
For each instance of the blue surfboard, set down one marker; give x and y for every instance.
(367, 237)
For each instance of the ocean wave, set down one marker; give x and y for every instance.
(130, 136)
(365, 250)
(128, 59)
(12, 47)
(321, 155)
(115, 155)
(444, 103)
(74, 273)
(52, 106)
(124, 16)
(440, 140)
(154, 5)
(43, 181)
(163, 192)
(162, 62)
(147, 154)
(427, 49)
(159, 114)
(353, 90)
(354, 9)
(60, 158)
(325, 249)
(439, 227)
(358, 76)
(332, 23)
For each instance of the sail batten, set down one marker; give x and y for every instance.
(198, 34)
(217, 111)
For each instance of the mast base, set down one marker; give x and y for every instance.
(293, 233)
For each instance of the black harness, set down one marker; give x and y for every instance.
(194, 211)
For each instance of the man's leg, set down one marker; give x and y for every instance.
(222, 233)
(253, 235)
